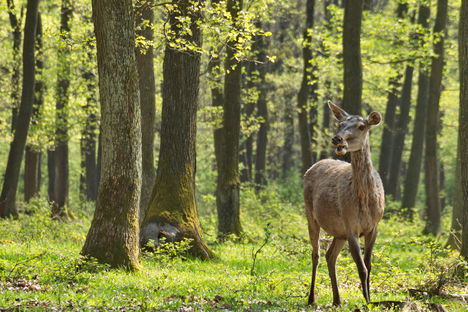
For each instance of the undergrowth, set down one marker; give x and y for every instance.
(268, 268)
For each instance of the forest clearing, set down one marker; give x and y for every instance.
(234, 155)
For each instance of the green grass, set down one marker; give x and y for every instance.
(40, 265)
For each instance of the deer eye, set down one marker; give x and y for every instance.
(362, 127)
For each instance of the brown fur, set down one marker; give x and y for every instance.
(346, 200)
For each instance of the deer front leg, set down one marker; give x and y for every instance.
(332, 253)
(369, 245)
(355, 250)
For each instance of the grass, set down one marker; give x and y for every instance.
(40, 267)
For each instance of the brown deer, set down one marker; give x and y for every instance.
(345, 199)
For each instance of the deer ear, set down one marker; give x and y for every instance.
(339, 113)
(374, 118)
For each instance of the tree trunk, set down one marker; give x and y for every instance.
(248, 110)
(61, 131)
(51, 175)
(432, 123)
(463, 119)
(113, 236)
(288, 144)
(352, 57)
(305, 90)
(15, 77)
(260, 47)
(227, 194)
(15, 156)
(400, 133)
(144, 57)
(454, 240)
(172, 213)
(88, 177)
(32, 158)
(417, 144)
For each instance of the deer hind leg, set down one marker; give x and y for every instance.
(353, 241)
(369, 245)
(332, 253)
(314, 233)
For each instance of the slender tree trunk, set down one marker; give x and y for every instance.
(51, 175)
(32, 158)
(399, 136)
(15, 77)
(288, 144)
(15, 156)
(227, 194)
(260, 47)
(172, 213)
(88, 178)
(432, 122)
(463, 119)
(417, 145)
(305, 90)
(352, 78)
(61, 130)
(248, 110)
(144, 21)
(114, 233)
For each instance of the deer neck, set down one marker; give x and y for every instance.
(363, 179)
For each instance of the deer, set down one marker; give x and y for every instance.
(344, 199)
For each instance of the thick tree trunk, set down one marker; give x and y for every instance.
(227, 192)
(172, 213)
(15, 156)
(419, 128)
(114, 233)
(454, 240)
(400, 133)
(88, 177)
(61, 131)
(352, 57)
(32, 158)
(15, 77)
(432, 124)
(463, 119)
(144, 22)
(305, 90)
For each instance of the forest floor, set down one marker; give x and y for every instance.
(40, 266)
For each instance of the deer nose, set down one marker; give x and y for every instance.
(337, 140)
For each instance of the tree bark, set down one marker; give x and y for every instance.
(15, 77)
(248, 110)
(114, 233)
(88, 177)
(433, 225)
(414, 165)
(288, 144)
(227, 191)
(455, 238)
(352, 78)
(61, 129)
(305, 90)
(32, 159)
(15, 156)
(172, 213)
(51, 175)
(400, 133)
(145, 65)
(463, 119)
(262, 111)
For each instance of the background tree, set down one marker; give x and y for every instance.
(33, 155)
(15, 156)
(145, 65)
(227, 191)
(417, 144)
(61, 184)
(432, 123)
(113, 236)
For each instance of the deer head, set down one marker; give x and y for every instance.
(352, 131)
